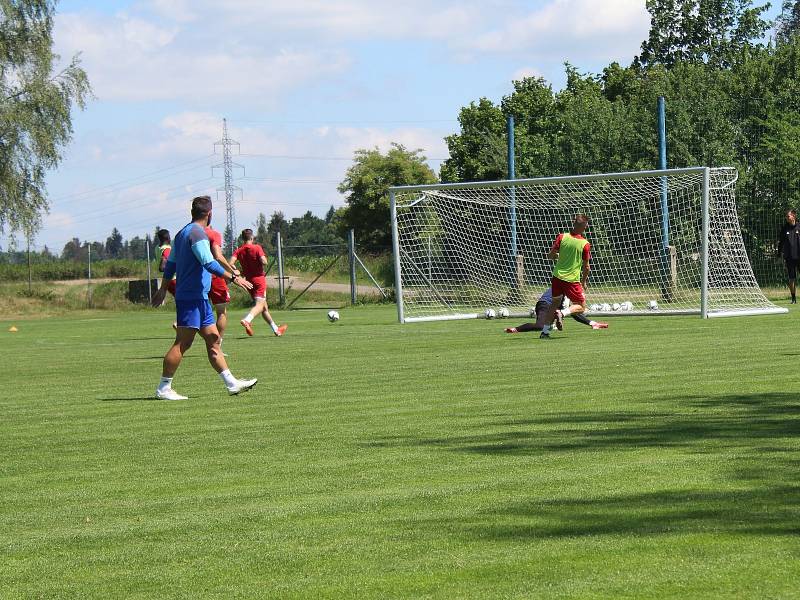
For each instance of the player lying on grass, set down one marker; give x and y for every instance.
(253, 260)
(191, 260)
(571, 253)
(542, 306)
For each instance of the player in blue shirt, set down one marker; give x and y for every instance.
(191, 260)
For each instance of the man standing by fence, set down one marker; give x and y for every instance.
(789, 248)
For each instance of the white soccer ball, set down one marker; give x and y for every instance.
(532, 312)
(595, 307)
(616, 306)
(565, 303)
(333, 316)
(652, 305)
(490, 314)
(627, 305)
(503, 312)
(605, 307)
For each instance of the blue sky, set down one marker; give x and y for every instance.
(303, 84)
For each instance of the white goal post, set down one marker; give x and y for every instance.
(662, 242)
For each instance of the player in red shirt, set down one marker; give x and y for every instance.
(218, 295)
(164, 248)
(253, 260)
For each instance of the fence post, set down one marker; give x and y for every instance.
(30, 274)
(351, 252)
(279, 257)
(89, 280)
(149, 277)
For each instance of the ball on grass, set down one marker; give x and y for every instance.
(490, 314)
(333, 316)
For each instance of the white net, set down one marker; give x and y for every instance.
(465, 248)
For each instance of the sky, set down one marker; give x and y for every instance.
(302, 85)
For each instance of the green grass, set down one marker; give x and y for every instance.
(659, 458)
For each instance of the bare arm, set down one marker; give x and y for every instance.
(585, 274)
(216, 251)
(162, 264)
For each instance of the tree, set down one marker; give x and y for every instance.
(278, 222)
(788, 23)
(715, 32)
(310, 230)
(35, 109)
(229, 241)
(330, 215)
(366, 187)
(114, 244)
(72, 250)
(262, 234)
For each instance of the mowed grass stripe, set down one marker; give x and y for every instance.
(658, 458)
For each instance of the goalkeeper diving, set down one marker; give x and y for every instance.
(541, 309)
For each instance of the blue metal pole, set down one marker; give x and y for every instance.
(662, 164)
(512, 175)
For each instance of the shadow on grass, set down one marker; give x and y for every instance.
(757, 494)
(132, 399)
(732, 420)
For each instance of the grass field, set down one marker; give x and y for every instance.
(659, 458)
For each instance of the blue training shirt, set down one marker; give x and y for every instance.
(192, 263)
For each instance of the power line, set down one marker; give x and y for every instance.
(348, 122)
(332, 158)
(104, 188)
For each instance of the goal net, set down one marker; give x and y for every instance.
(662, 242)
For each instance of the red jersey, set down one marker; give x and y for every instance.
(249, 255)
(214, 236)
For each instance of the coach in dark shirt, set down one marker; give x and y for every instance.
(789, 248)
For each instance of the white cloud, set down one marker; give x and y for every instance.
(525, 72)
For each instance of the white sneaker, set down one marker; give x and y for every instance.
(169, 394)
(242, 385)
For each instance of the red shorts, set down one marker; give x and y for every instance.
(218, 294)
(571, 289)
(171, 287)
(259, 287)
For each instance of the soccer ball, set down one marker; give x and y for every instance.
(565, 303)
(595, 307)
(490, 314)
(616, 306)
(333, 316)
(627, 305)
(532, 312)
(503, 313)
(606, 307)
(652, 305)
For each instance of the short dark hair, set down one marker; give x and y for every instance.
(201, 206)
(163, 235)
(247, 234)
(581, 219)
(791, 211)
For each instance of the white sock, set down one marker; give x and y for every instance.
(248, 318)
(228, 378)
(592, 323)
(166, 383)
(546, 329)
(274, 327)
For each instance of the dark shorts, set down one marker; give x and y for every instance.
(171, 287)
(195, 314)
(791, 267)
(218, 294)
(571, 289)
(541, 307)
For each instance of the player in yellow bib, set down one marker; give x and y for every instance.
(572, 253)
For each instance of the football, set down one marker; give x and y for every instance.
(627, 305)
(616, 306)
(333, 316)
(503, 312)
(533, 312)
(595, 307)
(490, 314)
(652, 305)
(605, 307)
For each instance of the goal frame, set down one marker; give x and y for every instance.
(704, 250)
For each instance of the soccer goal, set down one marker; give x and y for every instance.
(663, 242)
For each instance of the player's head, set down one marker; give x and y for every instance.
(163, 236)
(791, 216)
(247, 235)
(201, 209)
(580, 223)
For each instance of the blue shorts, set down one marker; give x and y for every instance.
(194, 313)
